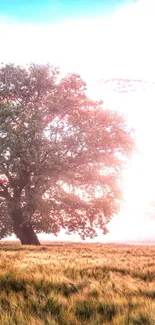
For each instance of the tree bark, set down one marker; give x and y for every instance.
(23, 230)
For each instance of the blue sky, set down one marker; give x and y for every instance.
(48, 11)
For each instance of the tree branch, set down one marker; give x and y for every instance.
(4, 193)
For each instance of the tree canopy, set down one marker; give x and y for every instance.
(61, 155)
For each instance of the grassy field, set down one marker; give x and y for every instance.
(72, 284)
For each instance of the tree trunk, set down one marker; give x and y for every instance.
(26, 235)
(23, 230)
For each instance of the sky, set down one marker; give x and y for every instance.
(49, 11)
(100, 40)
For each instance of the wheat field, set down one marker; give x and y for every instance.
(73, 284)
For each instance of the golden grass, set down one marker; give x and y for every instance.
(73, 284)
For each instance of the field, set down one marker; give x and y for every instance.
(73, 284)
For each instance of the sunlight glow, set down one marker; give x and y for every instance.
(118, 46)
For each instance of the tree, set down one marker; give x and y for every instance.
(61, 155)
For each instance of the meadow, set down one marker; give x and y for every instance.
(74, 283)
